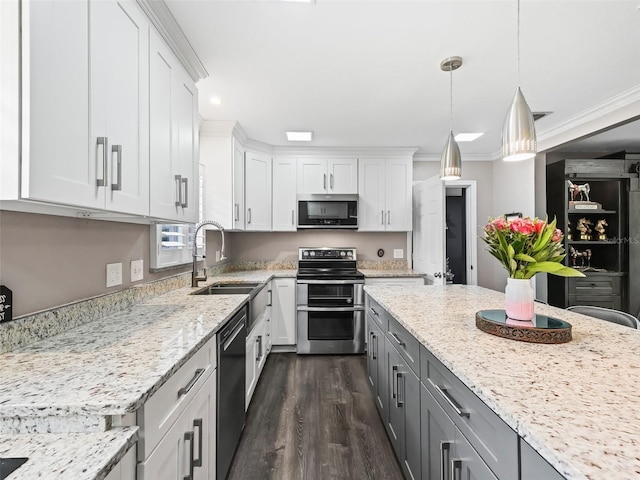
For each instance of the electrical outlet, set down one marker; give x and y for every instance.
(398, 253)
(136, 270)
(114, 274)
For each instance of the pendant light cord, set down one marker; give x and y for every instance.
(451, 99)
(518, 47)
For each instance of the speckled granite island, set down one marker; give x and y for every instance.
(577, 404)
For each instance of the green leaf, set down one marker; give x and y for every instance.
(568, 272)
(513, 266)
(549, 267)
(525, 258)
(511, 251)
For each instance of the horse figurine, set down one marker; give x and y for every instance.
(577, 254)
(600, 229)
(581, 190)
(584, 228)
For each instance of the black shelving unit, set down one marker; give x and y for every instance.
(605, 262)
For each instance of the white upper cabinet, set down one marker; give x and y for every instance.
(338, 175)
(223, 157)
(85, 105)
(284, 194)
(174, 181)
(119, 118)
(385, 195)
(257, 170)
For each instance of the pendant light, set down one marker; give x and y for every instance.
(519, 132)
(451, 162)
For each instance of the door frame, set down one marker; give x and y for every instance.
(471, 212)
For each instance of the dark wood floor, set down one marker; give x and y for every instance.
(313, 418)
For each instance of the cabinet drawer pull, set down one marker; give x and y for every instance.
(104, 141)
(374, 346)
(197, 423)
(188, 437)
(445, 393)
(445, 447)
(258, 349)
(397, 339)
(394, 386)
(178, 180)
(117, 149)
(456, 469)
(197, 374)
(400, 403)
(185, 203)
(373, 312)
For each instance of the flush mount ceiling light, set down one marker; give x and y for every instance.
(519, 132)
(216, 100)
(299, 136)
(468, 137)
(451, 162)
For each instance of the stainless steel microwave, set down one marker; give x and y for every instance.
(328, 211)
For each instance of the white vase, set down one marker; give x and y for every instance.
(519, 299)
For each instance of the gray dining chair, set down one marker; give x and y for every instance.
(608, 314)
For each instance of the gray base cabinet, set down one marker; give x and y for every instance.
(404, 411)
(376, 366)
(533, 466)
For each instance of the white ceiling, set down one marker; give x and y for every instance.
(367, 73)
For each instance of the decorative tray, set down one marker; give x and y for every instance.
(541, 329)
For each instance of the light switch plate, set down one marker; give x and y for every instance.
(114, 274)
(398, 253)
(136, 270)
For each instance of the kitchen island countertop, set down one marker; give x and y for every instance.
(577, 404)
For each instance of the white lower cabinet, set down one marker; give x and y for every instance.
(283, 328)
(256, 355)
(178, 423)
(125, 469)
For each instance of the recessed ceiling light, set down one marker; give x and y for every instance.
(468, 137)
(299, 136)
(216, 100)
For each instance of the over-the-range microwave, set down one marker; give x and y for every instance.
(328, 211)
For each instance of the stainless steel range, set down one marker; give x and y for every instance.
(330, 309)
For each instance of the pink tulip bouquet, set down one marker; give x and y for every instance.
(526, 246)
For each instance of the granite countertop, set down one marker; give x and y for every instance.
(577, 404)
(70, 456)
(110, 366)
(384, 273)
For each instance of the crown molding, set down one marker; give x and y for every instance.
(170, 31)
(615, 110)
(217, 128)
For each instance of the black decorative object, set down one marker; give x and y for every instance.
(6, 303)
(381, 253)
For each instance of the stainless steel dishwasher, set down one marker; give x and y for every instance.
(231, 382)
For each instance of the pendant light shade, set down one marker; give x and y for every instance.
(519, 131)
(451, 161)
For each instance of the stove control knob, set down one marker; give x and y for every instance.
(305, 254)
(343, 253)
(313, 254)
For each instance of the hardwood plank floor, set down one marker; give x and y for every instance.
(313, 418)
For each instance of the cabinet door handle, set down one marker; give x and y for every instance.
(400, 403)
(397, 339)
(324, 181)
(185, 203)
(188, 437)
(178, 180)
(237, 219)
(394, 386)
(293, 217)
(445, 393)
(248, 215)
(258, 350)
(374, 345)
(104, 141)
(196, 375)
(197, 423)
(373, 312)
(270, 301)
(456, 469)
(117, 149)
(382, 217)
(388, 217)
(445, 447)
(331, 181)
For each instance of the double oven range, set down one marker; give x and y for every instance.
(330, 305)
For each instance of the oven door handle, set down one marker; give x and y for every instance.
(303, 308)
(330, 282)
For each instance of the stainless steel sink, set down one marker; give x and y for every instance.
(228, 289)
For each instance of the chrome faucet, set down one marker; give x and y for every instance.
(194, 274)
